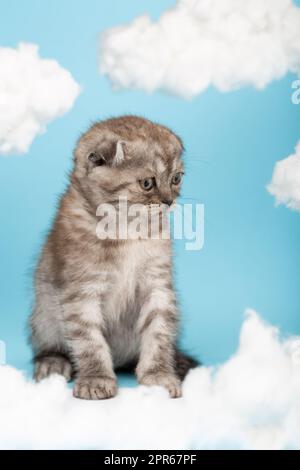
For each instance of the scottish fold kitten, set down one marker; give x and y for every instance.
(108, 304)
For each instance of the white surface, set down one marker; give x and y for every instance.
(251, 401)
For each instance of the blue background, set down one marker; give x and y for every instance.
(251, 255)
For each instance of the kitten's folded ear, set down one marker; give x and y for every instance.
(109, 153)
(96, 149)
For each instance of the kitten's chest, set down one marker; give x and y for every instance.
(124, 281)
(130, 277)
(122, 306)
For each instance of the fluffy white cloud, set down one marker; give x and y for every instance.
(33, 92)
(227, 44)
(251, 401)
(285, 184)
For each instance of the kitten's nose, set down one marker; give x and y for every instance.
(169, 202)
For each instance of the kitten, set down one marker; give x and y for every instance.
(103, 305)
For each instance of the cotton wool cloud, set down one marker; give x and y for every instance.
(252, 401)
(285, 184)
(33, 92)
(228, 44)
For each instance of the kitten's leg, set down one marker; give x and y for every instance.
(90, 352)
(50, 352)
(157, 326)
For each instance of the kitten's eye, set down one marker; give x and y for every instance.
(147, 184)
(177, 178)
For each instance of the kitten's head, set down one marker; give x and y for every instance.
(129, 157)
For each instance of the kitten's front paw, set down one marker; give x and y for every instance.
(168, 381)
(95, 388)
(52, 364)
